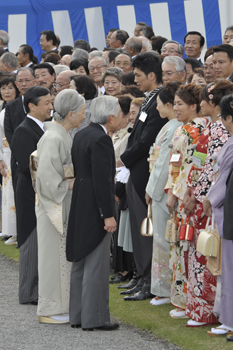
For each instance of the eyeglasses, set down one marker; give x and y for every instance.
(169, 50)
(58, 85)
(91, 69)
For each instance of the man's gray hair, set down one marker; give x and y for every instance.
(79, 54)
(102, 107)
(145, 42)
(105, 62)
(4, 37)
(95, 53)
(22, 69)
(135, 43)
(226, 30)
(178, 62)
(180, 47)
(67, 100)
(10, 59)
(113, 72)
(60, 68)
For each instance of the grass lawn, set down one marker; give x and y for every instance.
(154, 319)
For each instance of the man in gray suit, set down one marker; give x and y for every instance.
(91, 220)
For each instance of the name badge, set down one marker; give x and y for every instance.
(151, 150)
(175, 158)
(143, 116)
(197, 161)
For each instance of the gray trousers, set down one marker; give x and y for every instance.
(28, 270)
(89, 288)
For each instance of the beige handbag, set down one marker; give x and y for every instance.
(171, 234)
(147, 224)
(207, 243)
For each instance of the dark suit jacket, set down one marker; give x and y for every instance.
(93, 192)
(141, 139)
(24, 142)
(231, 78)
(14, 115)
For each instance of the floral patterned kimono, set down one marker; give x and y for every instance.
(201, 289)
(184, 138)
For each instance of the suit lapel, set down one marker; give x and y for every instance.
(34, 126)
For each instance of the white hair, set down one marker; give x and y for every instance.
(102, 107)
(178, 62)
(4, 37)
(79, 54)
(60, 68)
(67, 100)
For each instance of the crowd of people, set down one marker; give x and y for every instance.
(92, 140)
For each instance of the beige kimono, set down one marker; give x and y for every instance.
(52, 211)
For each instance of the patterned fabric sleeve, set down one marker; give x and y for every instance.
(218, 136)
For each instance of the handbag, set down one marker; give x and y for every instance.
(186, 231)
(171, 234)
(147, 224)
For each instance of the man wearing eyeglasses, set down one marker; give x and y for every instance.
(96, 67)
(174, 69)
(63, 80)
(172, 48)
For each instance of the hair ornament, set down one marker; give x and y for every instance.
(211, 97)
(211, 88)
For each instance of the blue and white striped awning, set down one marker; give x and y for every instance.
(25, 19)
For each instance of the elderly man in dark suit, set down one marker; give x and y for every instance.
(148, 76)
(91, 220)
(38, 105)
(15, 112)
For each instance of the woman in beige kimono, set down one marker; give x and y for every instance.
(54, 194)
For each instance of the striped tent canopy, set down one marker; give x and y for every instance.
(25, 19)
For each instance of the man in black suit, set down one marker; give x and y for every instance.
(44, 75)
(223, 62)
(25, 56)
(148, 76)
(193, 45)
(15, 112)
(91, 217)
(48, 41)
(37, 102)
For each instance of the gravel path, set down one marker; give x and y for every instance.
(20, 329)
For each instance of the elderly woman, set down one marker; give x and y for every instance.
(8, 92)
(53, 189)
(85, 87)
(111, 79)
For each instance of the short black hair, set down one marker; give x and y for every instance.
(157, 43)
(84, 85)
(27, 49)
(66, 50)
(122, 35)
(202, 39)
(147, 31)
(128, 79)
(224, 48)
(82, 44)
(33, 95)
(50, 36)
(193, 61)
(78, 63)
(226, 106)
(45, 65)
(124, 102)
(6, 79)
(148, 63)
(112, 55)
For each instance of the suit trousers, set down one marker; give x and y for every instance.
(28, 270)
(142, 246)
(89, 287)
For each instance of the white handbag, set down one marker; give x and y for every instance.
(207, 243)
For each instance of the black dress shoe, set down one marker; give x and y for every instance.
(131, 291)
(75, 325)
(107, 327)
(139, 296)
(230, 338)
(34, 302)
(132, 283)
(120, 278)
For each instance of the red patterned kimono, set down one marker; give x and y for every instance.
(202, 284)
